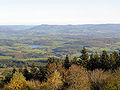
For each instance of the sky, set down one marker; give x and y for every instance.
(60, 12)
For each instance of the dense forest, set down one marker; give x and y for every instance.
(93, 71)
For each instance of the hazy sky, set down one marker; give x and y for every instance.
(59, 11)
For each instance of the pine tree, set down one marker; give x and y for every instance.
(26, 73)
(84, 59)
(117, 59)
(41, 74)
(91, 63)
(66, 62)
(97, 61)
(34, 71)
(84, 55)
(104, 60)
(112, 62)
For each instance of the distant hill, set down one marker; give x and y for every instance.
(96, 30)
(108, 30)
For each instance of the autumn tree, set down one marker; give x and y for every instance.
(17, 82)
(77, 78)
(54, 82)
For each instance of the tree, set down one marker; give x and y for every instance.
(77, 78)
(66, 62)
(117, 59)
(94, 62)
(56, 66)
(91, 64)
(84, 58)
(112, 62)
(26, 73)
(104, 61)
(34, 71)
(17, 82)
(41, 74)
(54, 82)
(97, 61)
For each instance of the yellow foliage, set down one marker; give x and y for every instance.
(17, 82)
(54, 82)
(34, 85)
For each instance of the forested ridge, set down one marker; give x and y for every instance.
(93, 71)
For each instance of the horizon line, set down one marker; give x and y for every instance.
(54, 24)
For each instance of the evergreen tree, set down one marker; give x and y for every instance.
(117, 59)
(42, 73)
(104, 61)
(26, 73)
(112, 62)
(66, 62)
(84, 55)
(91, 64)
(97, 61)
(94, 61)
(84, 58)
(34, 71)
